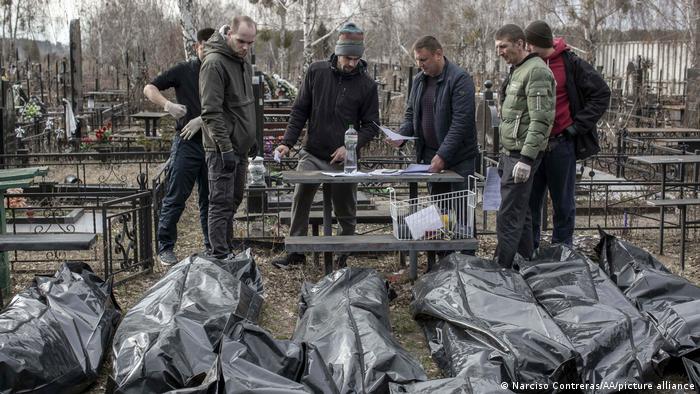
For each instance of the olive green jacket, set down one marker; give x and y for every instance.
(226, 90)
(527, 111)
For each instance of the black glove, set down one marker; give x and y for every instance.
(230, 159)
(253, 151)
(570, 132)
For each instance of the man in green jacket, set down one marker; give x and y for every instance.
(527, 115)
(225, 85)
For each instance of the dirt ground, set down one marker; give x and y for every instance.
(279, 313)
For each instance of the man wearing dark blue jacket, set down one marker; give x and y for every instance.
(440, 113)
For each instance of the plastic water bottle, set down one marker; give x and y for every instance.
(351, 148)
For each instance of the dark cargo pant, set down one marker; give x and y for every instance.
(225, 194)
(187, 166)
(514, 221)
(343, 196)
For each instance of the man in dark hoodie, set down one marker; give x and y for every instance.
(582, 97)
(187, 164)
(228, 112)
(334, 94)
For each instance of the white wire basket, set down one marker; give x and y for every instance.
(443, 216)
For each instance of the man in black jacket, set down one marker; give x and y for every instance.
(335, 94)
(440, 113)
(582, 97)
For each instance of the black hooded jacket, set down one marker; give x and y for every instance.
(589, 98)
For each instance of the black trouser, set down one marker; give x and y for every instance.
(556, 173)
(514, 221)
(225, 193)
(187, 166)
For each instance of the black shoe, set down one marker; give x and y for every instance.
(288, 260)
(342, 260)
(167, 257)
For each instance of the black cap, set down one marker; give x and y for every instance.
(539, 34)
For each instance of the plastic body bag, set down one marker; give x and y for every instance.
(483, 322)
(250, 359)
(168, 340)
(54, 335)
(457, 385)
(618, 344)
(672, 302)
(346, 317)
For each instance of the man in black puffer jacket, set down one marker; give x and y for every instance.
(335, 94)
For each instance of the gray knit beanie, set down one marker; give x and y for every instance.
(350, 41)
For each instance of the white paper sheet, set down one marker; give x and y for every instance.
(385, 171)
(351, 174)
(416, 168)
(392, 135)
(427, 219)
(492, 190)
(277, 156)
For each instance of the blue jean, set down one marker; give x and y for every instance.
(187, 166)
(556, 173)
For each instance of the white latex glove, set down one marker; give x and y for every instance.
(192, 128)
(281, 151)
(521, 172)
(176, 110)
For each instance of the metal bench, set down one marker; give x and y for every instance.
(46, 241)
(682, 204)
(378, 216)
(377, 243)
(364, 216)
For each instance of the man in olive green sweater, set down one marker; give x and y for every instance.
(527, 115)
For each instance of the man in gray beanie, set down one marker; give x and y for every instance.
(350, 41)
(335, 94)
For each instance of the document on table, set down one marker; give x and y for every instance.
(492, 190)
(416, 168)
(350, 174)
(392, 135)
(385, 171)
(425, 220)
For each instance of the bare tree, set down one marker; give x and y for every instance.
(592, 16)
(281, 9)
(188, 23)
(21, 18)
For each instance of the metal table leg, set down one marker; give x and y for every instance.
(413, 255)
(327, 226)
(662, 214)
